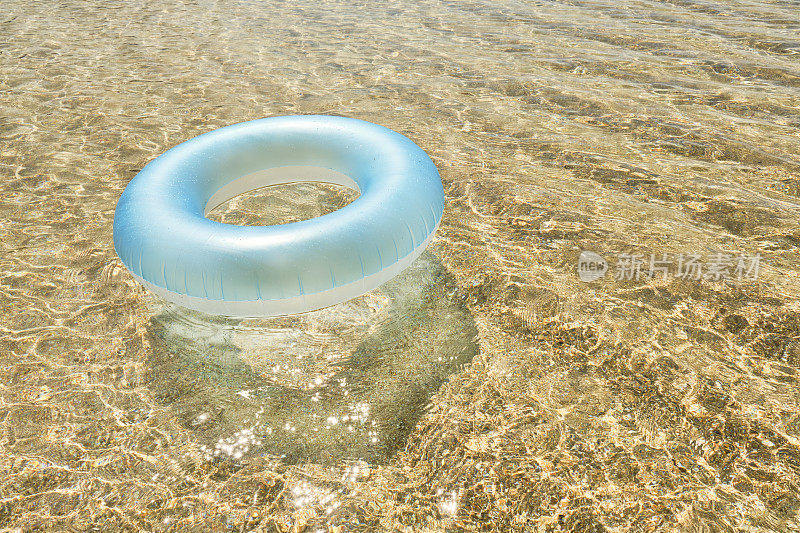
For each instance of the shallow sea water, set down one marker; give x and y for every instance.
(488, 387)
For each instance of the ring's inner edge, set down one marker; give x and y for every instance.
(278, 176)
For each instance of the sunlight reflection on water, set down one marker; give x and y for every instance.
(506, 393)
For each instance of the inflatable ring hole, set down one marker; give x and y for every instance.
(281, 196)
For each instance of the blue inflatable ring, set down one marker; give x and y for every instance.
(163, 237)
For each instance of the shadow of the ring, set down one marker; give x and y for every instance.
(347, 382)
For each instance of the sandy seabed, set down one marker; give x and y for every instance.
(486, 389)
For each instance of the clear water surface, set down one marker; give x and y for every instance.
(489, 387)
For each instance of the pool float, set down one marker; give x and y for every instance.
(163, 237)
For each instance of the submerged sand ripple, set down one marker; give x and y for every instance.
(632, 126)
